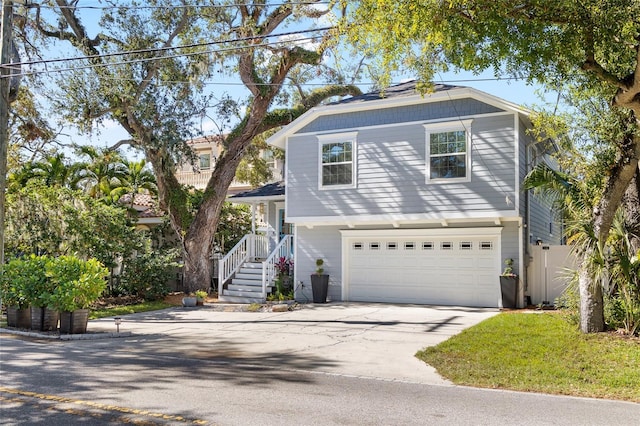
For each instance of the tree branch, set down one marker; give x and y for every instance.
(155, 65)
(120, 143)
(77, 28)
(284, 116)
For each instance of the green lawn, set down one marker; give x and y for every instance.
(128, 309)
(539, 352)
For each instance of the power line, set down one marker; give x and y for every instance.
(169, 48)
(203, 6)
(133, 61)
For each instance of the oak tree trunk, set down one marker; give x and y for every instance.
(199, 238)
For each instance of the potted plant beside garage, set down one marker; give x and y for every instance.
(319, 283)
(509, 285)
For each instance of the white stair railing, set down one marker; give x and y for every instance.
(250, 247)
(282, 250)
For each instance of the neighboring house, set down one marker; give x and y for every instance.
(207, 149)
(407, 198)
(149, 214)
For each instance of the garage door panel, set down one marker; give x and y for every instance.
(444, 270)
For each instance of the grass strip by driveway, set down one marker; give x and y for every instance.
(129, 309)
(539, 352)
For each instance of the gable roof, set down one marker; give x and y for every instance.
(401, 90)
(397, 95)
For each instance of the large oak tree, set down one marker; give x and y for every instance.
(157, 92)
(592, 43)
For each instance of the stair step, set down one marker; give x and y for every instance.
(241, 293)
(241, 281)
(246, 300)
(245, 287)
(248, 276)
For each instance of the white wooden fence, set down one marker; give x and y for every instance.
(549, 272)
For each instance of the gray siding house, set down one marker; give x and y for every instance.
(410, 198)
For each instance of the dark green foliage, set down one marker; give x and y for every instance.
(148, 273)
(235, 223)
(58, 221)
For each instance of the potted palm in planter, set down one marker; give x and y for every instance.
(320, 283)
(509, 285)
(13, 295)
(78, 283)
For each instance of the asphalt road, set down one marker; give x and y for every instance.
(131, 381)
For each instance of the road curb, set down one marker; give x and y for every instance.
(58, 336)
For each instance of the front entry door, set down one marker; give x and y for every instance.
(284, 228)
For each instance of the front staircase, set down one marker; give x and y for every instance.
(245, 286)
(247, 273)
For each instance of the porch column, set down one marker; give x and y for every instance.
(253, 218)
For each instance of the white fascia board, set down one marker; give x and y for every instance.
(280, 137)
(436, 219)
(498, 102)
(251, 200)
(441, 232)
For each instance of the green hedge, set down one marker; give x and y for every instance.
(64, 283)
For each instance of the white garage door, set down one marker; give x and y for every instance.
(448, 267)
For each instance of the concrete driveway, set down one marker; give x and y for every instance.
(351, 339)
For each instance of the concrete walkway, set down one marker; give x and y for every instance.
(352, 339)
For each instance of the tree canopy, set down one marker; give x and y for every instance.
(147, 66)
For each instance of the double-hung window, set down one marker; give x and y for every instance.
(205, 161)
(448, 152)
(337, 161)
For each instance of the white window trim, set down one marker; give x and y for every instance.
(334, 138)
(448, 126)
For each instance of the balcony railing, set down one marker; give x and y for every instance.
(199, 180)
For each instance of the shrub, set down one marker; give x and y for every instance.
(12, 289)
(37, 287)
(569, 303)
(622, 313)
(78, 283)
(147, 275)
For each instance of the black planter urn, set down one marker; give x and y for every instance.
(74, 322)
(44, 319)
(320, 287)
(509, 290)
(18, 317)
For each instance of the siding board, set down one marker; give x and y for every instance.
(391, 167)
(403, 114)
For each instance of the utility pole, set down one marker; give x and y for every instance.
(5, 77)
